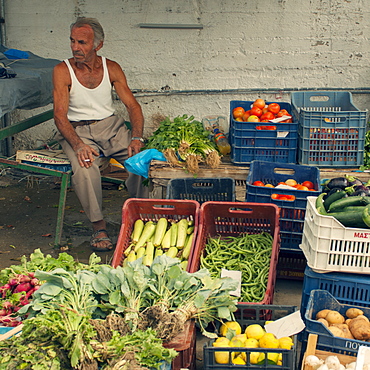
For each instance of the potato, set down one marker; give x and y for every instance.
(360, 328)
(351, 313)
(337, 332)
(324, 322)
(321, 314)
(362, 317)
(346, 333)
(347, 321)
(334, 317)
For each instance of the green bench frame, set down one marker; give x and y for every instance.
(64, 176)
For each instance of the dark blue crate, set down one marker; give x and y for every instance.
(331, 128)
(202, 189)
(322, 299)
(253, 140)
(345, 288)
(248, 314)
(292, 213)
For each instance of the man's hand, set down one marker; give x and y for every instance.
(86, 155)
(134, 147)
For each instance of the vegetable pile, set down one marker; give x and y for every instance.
(248, 253)
(348, 200)
(184, 142)
(152, 239)
(114, 318)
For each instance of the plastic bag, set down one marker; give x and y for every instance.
(139, 163)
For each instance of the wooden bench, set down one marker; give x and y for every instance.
(65, 177)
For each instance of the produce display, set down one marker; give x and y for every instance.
(231, 335)
(184, 142)
(347, 199)
(260, 112)
(152, 239)
(248, 253)
(113, 318)
(353, 325)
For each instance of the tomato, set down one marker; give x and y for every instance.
(267, 115)
(246, 115)
(308, 184)
(264, 110)
(238, 112)
(269, 186)
(253, 118)
(255, 111)
(301, 187)
(260, 103)
(283, 112)
(258, 183)
(239, 119)
(275, 196)
(273, 108)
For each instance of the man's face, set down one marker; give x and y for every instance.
(82, 43)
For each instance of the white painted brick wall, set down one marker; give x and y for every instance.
(259, 45)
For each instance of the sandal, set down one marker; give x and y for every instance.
(94, 240)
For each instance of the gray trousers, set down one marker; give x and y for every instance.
(110, 137)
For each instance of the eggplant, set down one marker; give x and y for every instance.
(352, 180)
(338, 182)
(361, 190)
(331, 191)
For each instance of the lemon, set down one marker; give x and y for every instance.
(251, 343)
(222, 357)
(255, 331)
(230, 325)
(235, 342)
(223, 341)
(286, 343)
(238, 361)
(269, 341)
(274, 357)
(241, 337)
(253, 357)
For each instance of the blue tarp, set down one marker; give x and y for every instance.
(32, 86)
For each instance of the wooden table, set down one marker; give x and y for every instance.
(161, 172)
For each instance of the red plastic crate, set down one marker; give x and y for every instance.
(185, 344)
(232, 219)
(153, 210)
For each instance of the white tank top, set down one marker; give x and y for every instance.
(89, 104)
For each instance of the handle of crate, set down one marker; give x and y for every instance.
(310, 350)
(12, 332)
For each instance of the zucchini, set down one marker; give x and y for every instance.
(334, 197)
(182, 227)
(148, 232)
(320, 200)
(349, 202)
(160, 231)
(138, 229)
(172, 252)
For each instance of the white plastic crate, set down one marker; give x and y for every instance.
(330, 247)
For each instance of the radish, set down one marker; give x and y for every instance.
(23, 279)
(24, 287)
(5, 289)
(7, 305)
(35, 281)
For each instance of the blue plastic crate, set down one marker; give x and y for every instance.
(331, 128)
(292, 212)
(202, 189)
(322, 299)
(248, 314)
(276, 142)
(345, 288)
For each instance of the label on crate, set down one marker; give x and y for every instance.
(286, 326)
(236, 275)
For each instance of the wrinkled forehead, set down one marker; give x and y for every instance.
(84, 32)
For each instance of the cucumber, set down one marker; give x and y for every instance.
(334, 197)
(349, 202)
(351, 219)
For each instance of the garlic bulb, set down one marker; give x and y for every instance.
(323, 367)
(314, 361)
(351, 365)
(332, 362)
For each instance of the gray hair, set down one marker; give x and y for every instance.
(94, 24)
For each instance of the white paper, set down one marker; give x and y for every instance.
(282, 186)
(363, 357)
(286, 326)
(236, 275)
(279, 119)
(282, 133)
